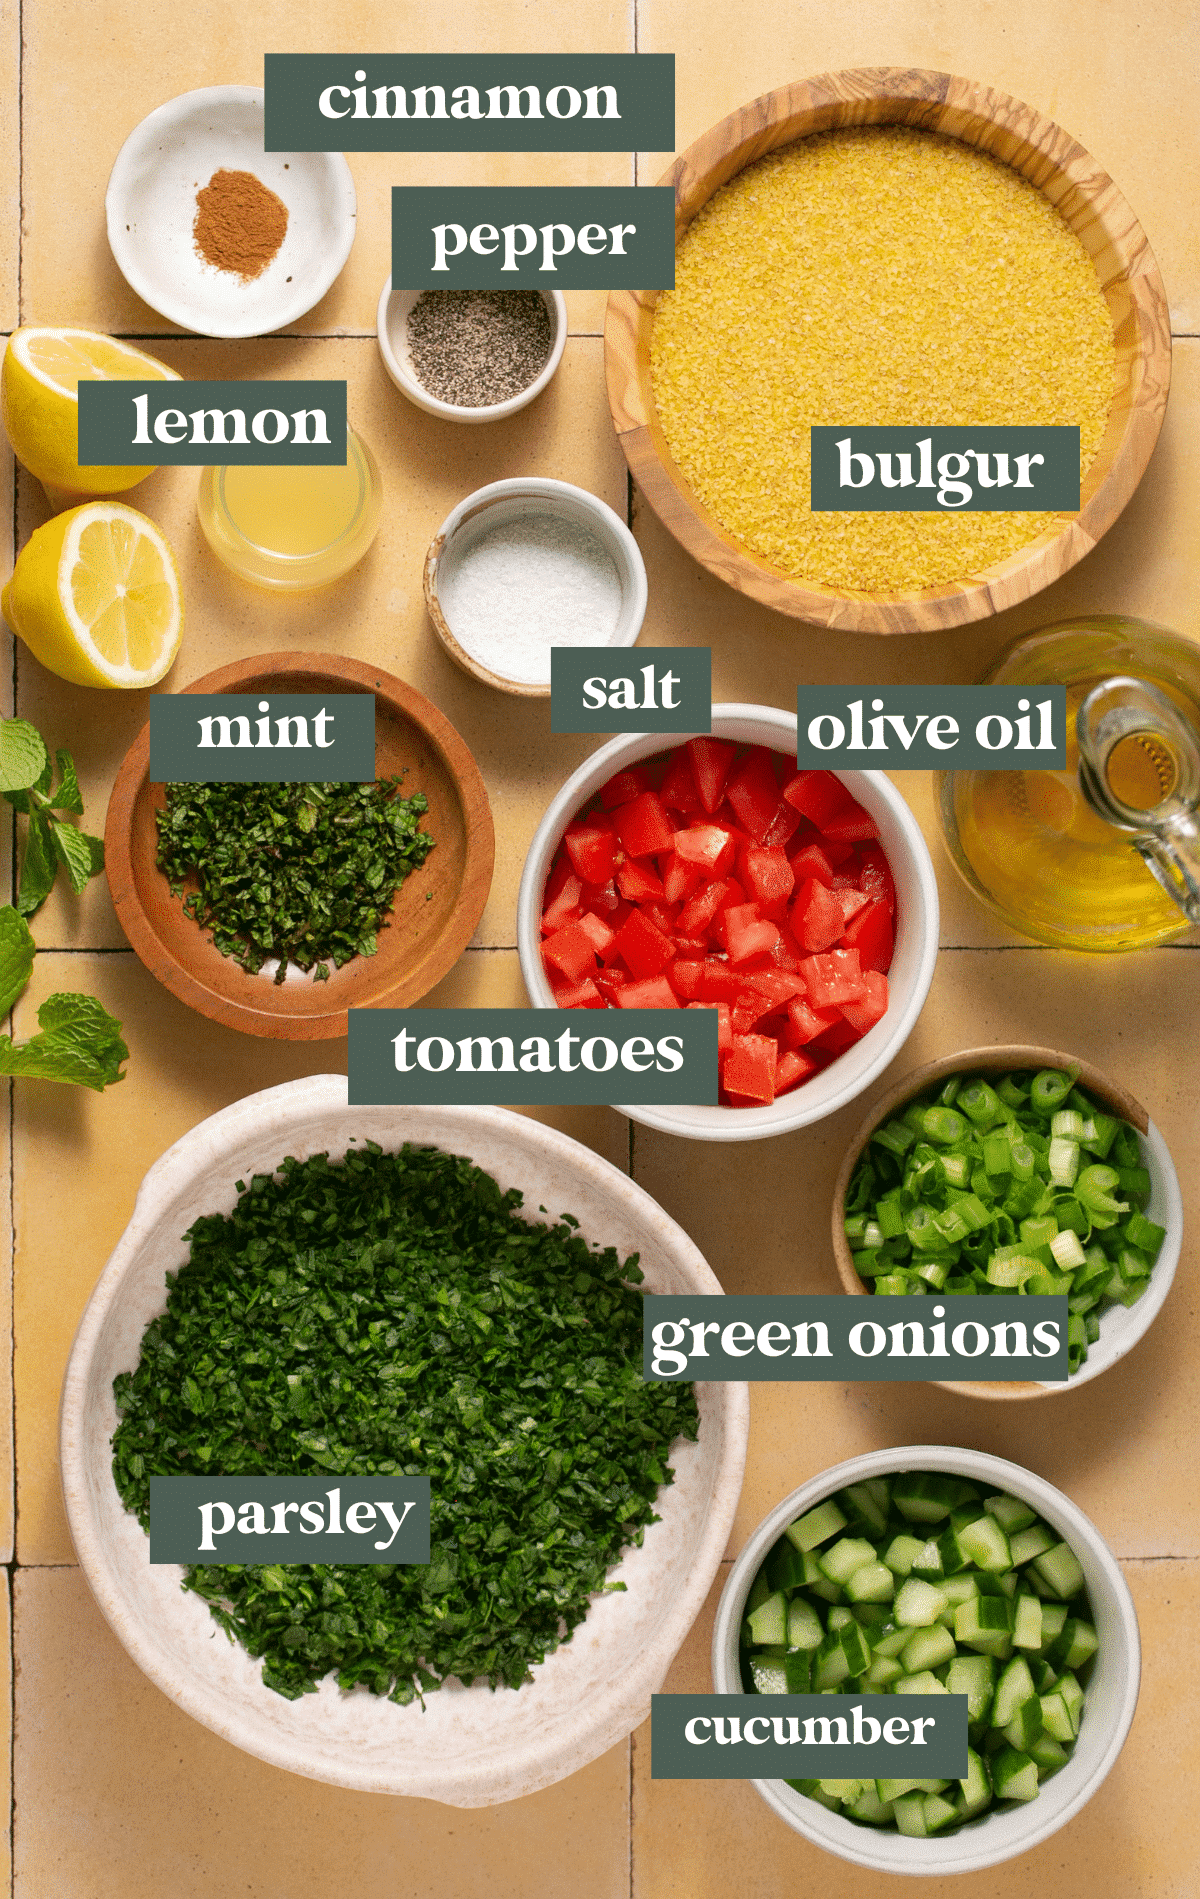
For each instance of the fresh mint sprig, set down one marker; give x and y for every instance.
(27, 775)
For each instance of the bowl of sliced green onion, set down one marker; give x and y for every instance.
(1015, 1169)
(935, 1570)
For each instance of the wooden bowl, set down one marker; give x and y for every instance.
(1089, 203)
(1125, 1324)
(422, 938)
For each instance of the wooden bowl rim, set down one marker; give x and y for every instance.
(519, 689)
(274, 1022)
(998, 1058)
(950, 603)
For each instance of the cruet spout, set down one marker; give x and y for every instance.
(1139, 768)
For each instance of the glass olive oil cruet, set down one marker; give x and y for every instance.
(1106, 854)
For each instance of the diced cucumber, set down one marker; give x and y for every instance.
(817, 1582)
(845, 1790)
(975, 1677)
(870, 1809)
(816, 1526)
(1030, 1542)
(760, 1589)
(928, 1496)
(918, 1604)
(830, 1667)
(1076, 1645)
(900, 1553)
(1014, 1687)
(1014, 1775)
(909, 1814)
(1072, 1695)
(986, 1544)
(1055, 1717)
(860, 1500)
(1047, 1755)
(785, 1566)
(928, 1648)
(803, 1625)
(889, 1790)
(845, 1556)
(1027, 1625)
(975, 1789)
(873, 1582)
(778, 1671)
(1054, 1616)
(884, 1670)
(924, 1683)
(927, 1563)
(985, 1624)
(938, 1812)
(958, 1589)
(1025, 1726)
(1061, 1569)
(768, 1623)
(891, 1644)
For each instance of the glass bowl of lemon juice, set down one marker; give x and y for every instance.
(290, 528)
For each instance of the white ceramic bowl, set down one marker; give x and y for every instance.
(916, 927)
(502, 502)
(391, 328)
(151, 208)
(471, 1747)
(1112, 1691)
(1120, 1326)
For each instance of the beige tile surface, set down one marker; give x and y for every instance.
(117, 1795)
(80, 1158)
(1135, 1839)
(70, 275)
(1121, 79)
(171, 1812)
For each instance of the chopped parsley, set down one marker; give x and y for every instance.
(304, 873)
(394, 1313)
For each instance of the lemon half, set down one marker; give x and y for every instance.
(95, 597)
(39, 392)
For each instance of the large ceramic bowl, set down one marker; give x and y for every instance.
(1120, 1326)
(1112, 1689)
(916, 927)
(424, 935)
(1090, 204)
(470, 1747)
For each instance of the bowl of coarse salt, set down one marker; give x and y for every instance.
(520, 567)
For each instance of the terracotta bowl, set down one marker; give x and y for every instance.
(470, 1747)
(1121, 1326)
(423, 939)
(1089, 203)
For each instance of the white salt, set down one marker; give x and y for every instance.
(531, 583)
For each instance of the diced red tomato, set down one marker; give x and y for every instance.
(748, 933)
(793, 1068)
(638, 882)
(753, 790)
(678, 789)
(811, 861)
(816, 916)
(592, 848)
(875, 875)
(710, 760)
(644, 827)
(870, 933)
(724, 1023)
(749, 1067)
(656, 993)
(597, 931)
(571, 949)
(564, 906)
(579, 995)
(832, 978)
(851, 825)
(708, 887)
(679, 878)
(816, 795)
(642, 948)
(625, 786)
(863, 1015)
(769, 879)
(684, 976)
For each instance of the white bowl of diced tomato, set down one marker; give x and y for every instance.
(708, 872)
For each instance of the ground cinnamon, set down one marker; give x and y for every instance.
(240, 224)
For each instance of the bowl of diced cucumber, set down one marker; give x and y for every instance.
(1015, 1169)
(932, 1570)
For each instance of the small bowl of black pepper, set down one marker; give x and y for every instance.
(471, 355)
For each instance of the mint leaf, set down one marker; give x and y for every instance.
(68, 796)
(23, 755)
(39, 868)
(74, 852)
(16, 956)
(79, 1042)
